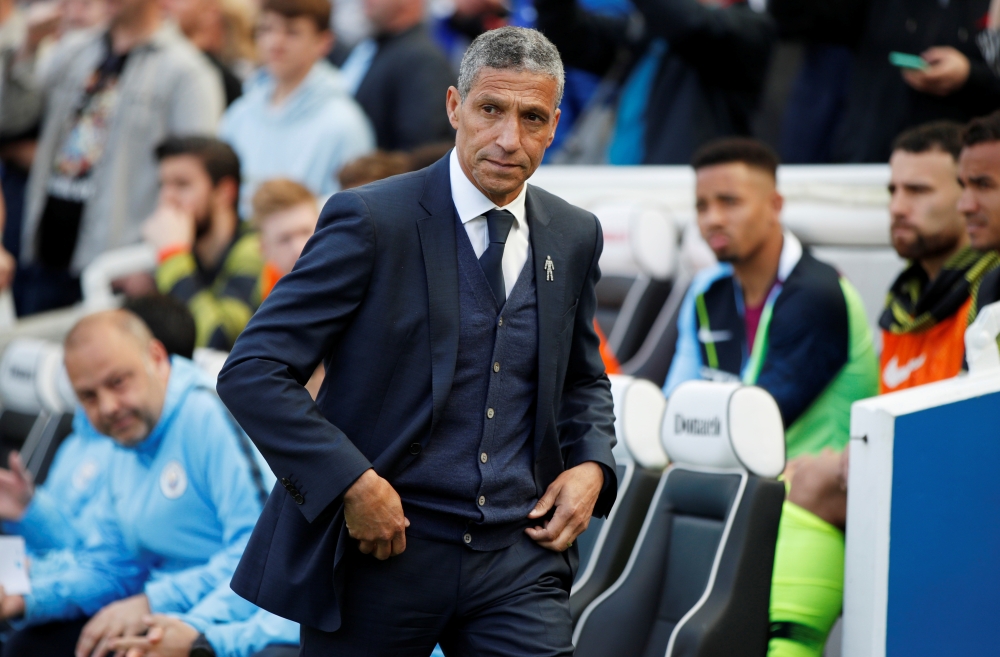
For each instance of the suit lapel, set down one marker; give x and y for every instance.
(437, 240)
(545, 244)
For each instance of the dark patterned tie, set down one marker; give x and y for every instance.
(499, 223)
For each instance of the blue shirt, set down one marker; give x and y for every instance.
(309, 137)
(172, 520)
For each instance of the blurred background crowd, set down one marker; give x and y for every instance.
(124, 120)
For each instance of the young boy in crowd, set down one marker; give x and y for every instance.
(295, 119)
(205, 257)
(284, 214)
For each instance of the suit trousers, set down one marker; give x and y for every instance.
(513, 601)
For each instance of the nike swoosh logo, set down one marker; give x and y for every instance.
(705, 335)
(895, 375)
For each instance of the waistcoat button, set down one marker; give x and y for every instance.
(467, 538)
(482, 500)
(483, 457)
(490, 413)
(496, 367)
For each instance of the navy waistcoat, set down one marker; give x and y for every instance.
(473, 481)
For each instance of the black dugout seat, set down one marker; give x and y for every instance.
(698, 581)
(37, 403)
(607, 543)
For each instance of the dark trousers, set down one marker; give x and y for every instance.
(513, 601)
(279, 650)
(49, 640)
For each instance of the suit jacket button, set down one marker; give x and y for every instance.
(467, 538)
(299, 499)
(415, 449)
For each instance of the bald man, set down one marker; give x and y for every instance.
(167, 526)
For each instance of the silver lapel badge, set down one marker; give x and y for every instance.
(549, 268)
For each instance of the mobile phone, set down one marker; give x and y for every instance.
(904, 60)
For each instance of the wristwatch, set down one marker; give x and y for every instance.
(202, 648)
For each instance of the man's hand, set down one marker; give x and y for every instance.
(169, 227)
(123, 618)
(11, 606)
(947, 72)
(573, 494)
(42, 20)
(167, 637)
(17, 488)
(374, 516)
(7, 267)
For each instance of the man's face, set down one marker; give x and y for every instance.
(290, 46)
(924, 204)
(503, 127)
(979, 176)
(738, 209)
(284, 234)
(120, 384)
(186, 186)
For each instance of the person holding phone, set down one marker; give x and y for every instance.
(884, 99)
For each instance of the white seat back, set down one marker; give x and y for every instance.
(33, 378)
(639, 407)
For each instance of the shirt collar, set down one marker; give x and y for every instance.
(472, 203)
(791, 253)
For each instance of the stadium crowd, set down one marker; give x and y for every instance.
(214, 130)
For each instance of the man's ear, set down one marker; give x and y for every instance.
(451, 103)
(327, 41)
(555, 124)
(777, 202)
(227, 192)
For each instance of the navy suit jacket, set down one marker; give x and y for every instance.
(375, 298)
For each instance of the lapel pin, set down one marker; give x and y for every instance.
(549, 268)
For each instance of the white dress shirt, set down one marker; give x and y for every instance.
(472, 205)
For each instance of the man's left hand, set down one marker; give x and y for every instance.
(167, 637)
(123, 618)
(573, 494)
(947, 72)
(11, 606)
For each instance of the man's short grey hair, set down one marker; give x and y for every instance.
(511, 48)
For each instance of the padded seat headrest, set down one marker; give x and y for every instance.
(725, 425)
(33, 378)
(639, 406)
(210, 361)
(637, 235)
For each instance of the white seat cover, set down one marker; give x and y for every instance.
(639, 407)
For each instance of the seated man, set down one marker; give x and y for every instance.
(979, 176)
(205, 259)
(171, 523)
(770, 313)
(924, 323)
(59, 513)
(929, 304)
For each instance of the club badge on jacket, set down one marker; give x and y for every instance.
(549, 268)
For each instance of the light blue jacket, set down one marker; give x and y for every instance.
(61, 514)
(316, 131)
(173, 519)
(237, 628)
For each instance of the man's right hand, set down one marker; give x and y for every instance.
(374, 516)
(17, 488)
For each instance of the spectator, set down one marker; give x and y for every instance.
(172, 522)
(93, 176)
(928, 307)
(705, 84)
(770, 314)
(296, 120)
(205, 259)
(222, 29)
(400, 77)
(829, 32)
(883, 101)
(285, 214)
(979, 176)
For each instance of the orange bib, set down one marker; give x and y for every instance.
(913, 359)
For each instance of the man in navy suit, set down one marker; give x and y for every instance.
(462, 438)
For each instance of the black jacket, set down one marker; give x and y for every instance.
(404, 91)
(708, 83)
(375, 298)
(880, 105)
